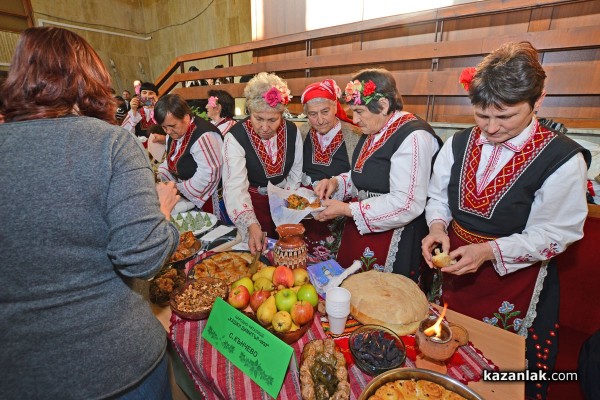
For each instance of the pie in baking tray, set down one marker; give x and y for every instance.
(229, 266)
(387, 299)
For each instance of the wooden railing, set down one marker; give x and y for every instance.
(426, 52)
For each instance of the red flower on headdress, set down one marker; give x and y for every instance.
(273, 97)
(369, 88)
(466, 77)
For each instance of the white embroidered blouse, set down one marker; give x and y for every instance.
(207, 151)
(131, 119)
(224, 124)
(409, 179)
(236, 184)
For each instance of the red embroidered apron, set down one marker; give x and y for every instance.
(482, 295)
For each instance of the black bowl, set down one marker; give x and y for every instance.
(376, 349)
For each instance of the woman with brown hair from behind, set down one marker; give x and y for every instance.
(81, 218)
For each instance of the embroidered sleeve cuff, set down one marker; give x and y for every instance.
(340, 193)
(243, 221)
(359, 218)
(498, 262)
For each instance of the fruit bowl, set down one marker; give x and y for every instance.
(376, 349)
(195, 299)
(288, 337)
(294, 336)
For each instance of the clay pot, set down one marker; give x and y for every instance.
(439, 349)
(290, 249)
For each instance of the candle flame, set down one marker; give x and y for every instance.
(436, 329)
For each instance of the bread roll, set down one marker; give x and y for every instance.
(441, 259)
(387, 299)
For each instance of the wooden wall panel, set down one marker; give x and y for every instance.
(336, 45)
(577, 14)
(398, 37)
(292, 51)
(486, 26)
(427, 51)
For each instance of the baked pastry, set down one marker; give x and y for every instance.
(164, 283)
(188, 246)
(387, 299)
(408, 389)
(229, 266)
(297, 202)
(441, 259)
(430, 390)
(323, 373)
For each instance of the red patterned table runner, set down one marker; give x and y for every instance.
(466, 365)
(217, 378)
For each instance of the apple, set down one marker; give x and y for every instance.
(285, 299)
(300, 276)
(257, 298)
(282, 321)
(302, 312)
(239, 297)
(283, 277)
(308, 293)
(246, 281)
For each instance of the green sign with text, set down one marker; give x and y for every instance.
(250, 347)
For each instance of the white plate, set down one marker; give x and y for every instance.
(197, 222)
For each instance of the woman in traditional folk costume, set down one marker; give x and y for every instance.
(194, 159)
(260, 149)
(506, 196)
(329, 141)
(140, 117)
(221, 109)
(388, 181)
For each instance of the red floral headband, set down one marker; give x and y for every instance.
(361, 92)
(466, 77)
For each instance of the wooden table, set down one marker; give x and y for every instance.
(505, 349)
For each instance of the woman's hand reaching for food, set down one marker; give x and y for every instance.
(437, 237)
(167, 197)
(325, 188)
(255, 238)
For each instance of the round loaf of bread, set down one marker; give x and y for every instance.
(387, 299)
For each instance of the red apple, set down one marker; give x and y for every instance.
(257, 298)
(283, 277)
(239, 297)
(302, 312)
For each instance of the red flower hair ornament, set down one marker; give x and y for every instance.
(277, 95)
(466, 77)
(361, 93)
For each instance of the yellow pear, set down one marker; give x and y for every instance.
(294, 327)
(266, 272)
(263, 283)
(282, 321)
(266, 311)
